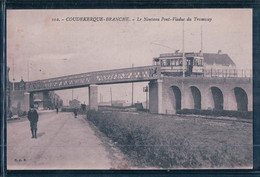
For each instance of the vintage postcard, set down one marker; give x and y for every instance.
(129, 89)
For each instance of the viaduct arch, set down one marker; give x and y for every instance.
(177, 97)
(196, 94)
(217, 97)
(201, 93)
(241, 99)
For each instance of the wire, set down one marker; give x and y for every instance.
(162, 45)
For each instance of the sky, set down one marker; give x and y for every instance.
(40, 47)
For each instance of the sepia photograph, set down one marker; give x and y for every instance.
(129, 89)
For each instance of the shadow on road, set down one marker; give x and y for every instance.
(40, 134)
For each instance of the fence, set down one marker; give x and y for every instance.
(227, 73)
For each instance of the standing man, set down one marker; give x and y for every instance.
(57, 109)
(75, 113)
(33, 118)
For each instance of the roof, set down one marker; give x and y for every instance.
(209, 58)
(219, 59)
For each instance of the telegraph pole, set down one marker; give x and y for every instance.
(132, 89)
(201, 39)
(13, 75)
(183, 53)
(146, 98)
(28, 75)
(111, 95)
(146, 89)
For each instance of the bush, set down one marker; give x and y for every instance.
(145, 140)
(160, 141)
(81, 110)
(239, 114)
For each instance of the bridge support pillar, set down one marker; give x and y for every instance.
(230, 102)
(187, 101)
(155, 97)
(28, 100)
(207, 102)
(93, 97)
(250, 101)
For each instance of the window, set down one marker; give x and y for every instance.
(165, 62)
(198, 62)
(173, 62)
(177, 62)
(201, 62)
(180, 61)
(168, 62)
(195, 62)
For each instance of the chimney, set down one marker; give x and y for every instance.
(219, 52)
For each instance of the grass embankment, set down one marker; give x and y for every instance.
(174, 142)
(238, 114)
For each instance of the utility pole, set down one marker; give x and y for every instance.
(13, 75)
(111, 95)
(132, 89)
(183, 53)
(146, 89)
(201, 39)
(201, 50)
(147, 98)
(72, 94)
(28, 70)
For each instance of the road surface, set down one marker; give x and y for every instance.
(63, 143)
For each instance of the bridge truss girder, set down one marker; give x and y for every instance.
(136, 74)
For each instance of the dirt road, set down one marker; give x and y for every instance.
(63, 143)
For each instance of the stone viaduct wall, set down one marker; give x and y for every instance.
(172, 93)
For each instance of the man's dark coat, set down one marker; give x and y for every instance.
(33, 118)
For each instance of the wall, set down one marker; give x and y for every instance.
(17, 101)
(153, 97)
(212, 90)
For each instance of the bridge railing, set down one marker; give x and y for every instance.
(228, 73)
(97, 77)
